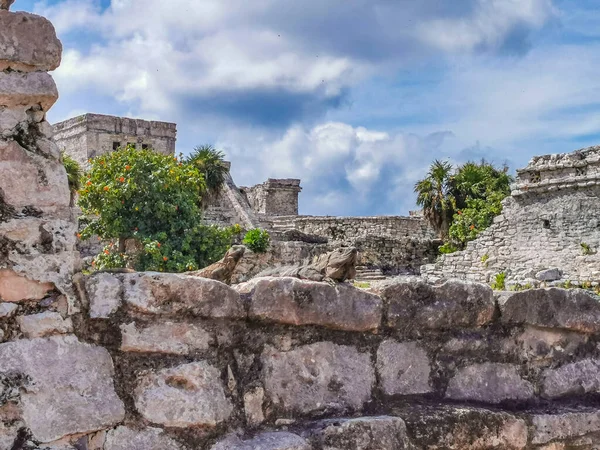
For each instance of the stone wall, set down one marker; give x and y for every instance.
(91, 135)
(551, 220)
(274, 197)
(155, 361)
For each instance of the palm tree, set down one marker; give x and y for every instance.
(210, 162)
(435, 194)
(73, 175)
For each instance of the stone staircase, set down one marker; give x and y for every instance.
(363, 273)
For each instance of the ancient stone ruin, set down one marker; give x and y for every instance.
(549, 228)
(149, 361)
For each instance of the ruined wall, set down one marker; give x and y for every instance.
(157, 361)
(91, 135)
(554, 209)
(274, 197)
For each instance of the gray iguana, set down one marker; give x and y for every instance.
(223, 269)
(336, 266)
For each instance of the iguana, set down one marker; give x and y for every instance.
(222, 270)
(336, 266)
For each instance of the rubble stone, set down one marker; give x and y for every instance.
(104, 294)
(188, 395)
(265, 441)
(299, 302)
(581, 377)
(403, 368)
(28, 43)
(17, 288)
(72, 386)
(44, 324)
(567, 425)
(27, 89)
(489, 383)
(161, 294)
(168, 337)
(320, 376)
(124, 438)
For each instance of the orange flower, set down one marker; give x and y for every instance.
(158, 244)
(106, 188)
(106, 252)
(93, 263)
(472, 227)
(122, 179)
(165, 258)
(459, 212)
(89, 183)
(127, 167)
(78, 235)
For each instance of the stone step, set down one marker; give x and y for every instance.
(371, 278)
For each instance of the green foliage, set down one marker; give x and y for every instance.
(499, 283)
(447, 247)
(154, 200)
(568, 284)
(586, 249)
(209, 161)
(462, 203)
(257, 240)
(139, 193)
(521, 287)
(362, 284)
(484, 258)
(73, 174)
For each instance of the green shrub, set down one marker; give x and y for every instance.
(499, 283)
(586, 249)
(447, 247)
(73, 174)
(257, 240)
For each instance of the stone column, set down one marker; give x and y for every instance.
(37, 230)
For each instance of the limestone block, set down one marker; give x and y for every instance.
(381, 433)
(167, 337)
(317, 377)
(189, 395)
(581, 377)
(28, 43)
(19, 89)
(71, 386)
(40, 235)
(454, 304)
(161, 294)
(489, 383)
(40, 182)
(7, 309)
(105, 293)
(566, 425)
(403, 368)
(44, 324)
(465, 428)
(18, 288)
(124, 438)
(573, 309)
(10, 118)
(300, 302)
(265, 441)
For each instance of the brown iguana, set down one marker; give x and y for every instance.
(222, 270)
(5, 4)
(336, 266)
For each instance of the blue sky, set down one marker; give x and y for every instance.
(355, 97)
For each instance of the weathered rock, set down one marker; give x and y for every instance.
(105, 293)
(464, 428)
(253, 406)
(188, 395)
(321, 376)
(403, 368)
(7, 309)
(27, 42)
(44, 324)
(124, 438)
(381, 433)
(41, 182)
(18, 288)
(71, 386)
(546, 344)
(581, 377)
(300, 302)
(573, 309)
(168, 337)
(40, 235)
(417, 305)
(27, 89)
(156, 293)
(548, 275)
(567, 425)
(489, 383)
(265, 441)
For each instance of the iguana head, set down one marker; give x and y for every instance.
(341, 264)
(234, 254)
